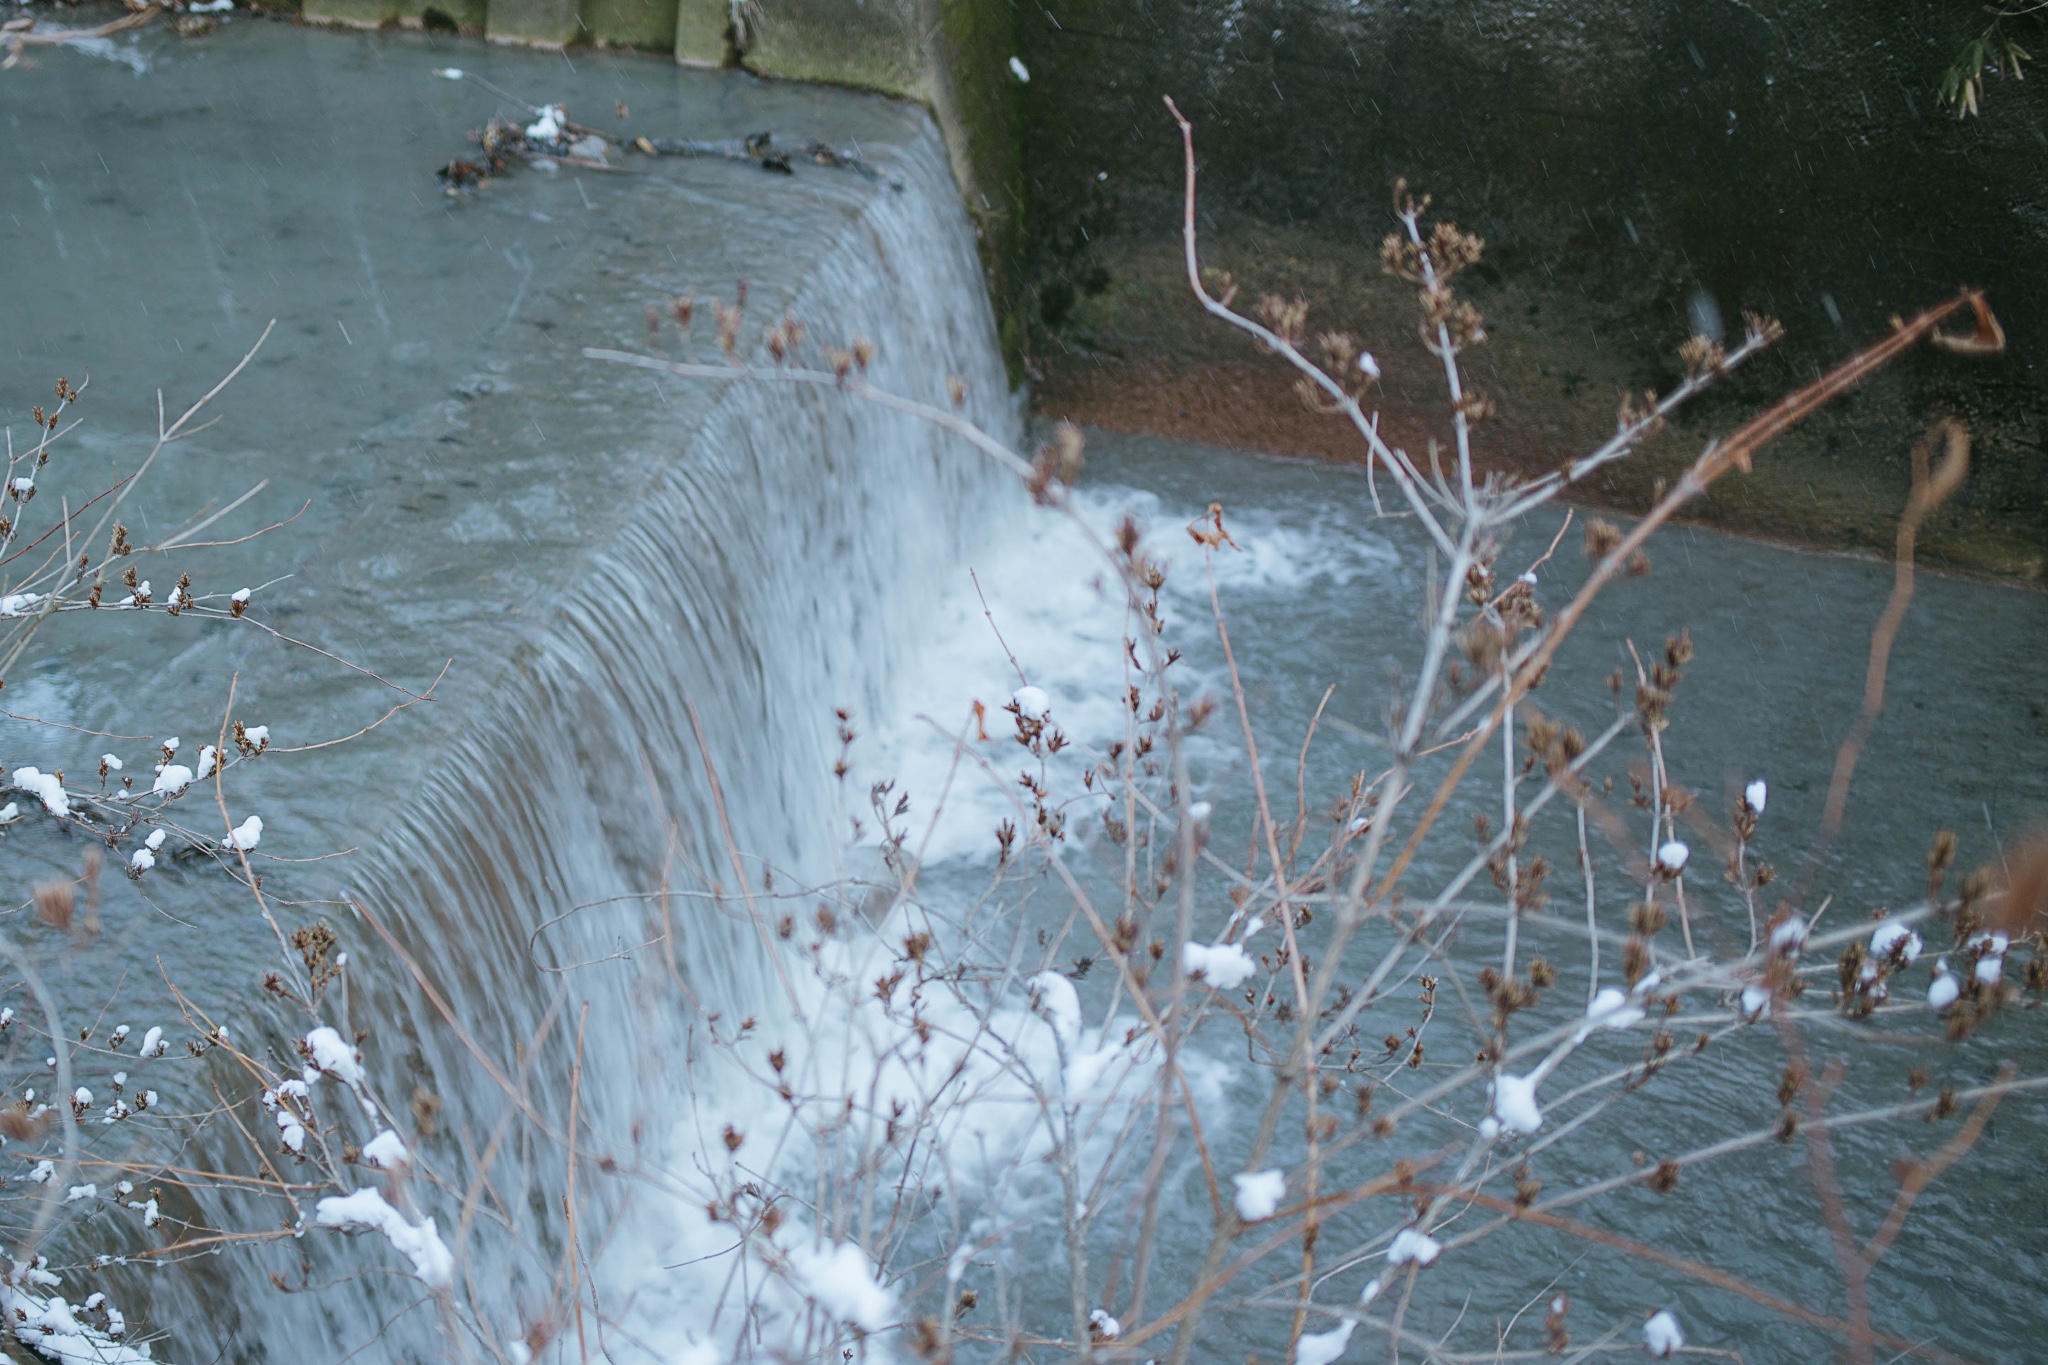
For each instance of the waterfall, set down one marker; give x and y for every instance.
(778, 567)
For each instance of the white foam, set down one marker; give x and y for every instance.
(1057, 606)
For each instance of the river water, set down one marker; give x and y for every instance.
(594, 555)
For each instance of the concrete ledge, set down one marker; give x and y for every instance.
(703, 32)
(878, 45)
(535, 23)
(350, 13)
(648, 25)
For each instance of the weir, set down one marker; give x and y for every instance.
(601, 554)
(649, 597)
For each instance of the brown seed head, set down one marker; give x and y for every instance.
(1702, 356)
(1602, 536)
(54, 903)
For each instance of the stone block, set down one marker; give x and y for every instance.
(539, 23)
(649, 25)
(876, 44)
(703, 32)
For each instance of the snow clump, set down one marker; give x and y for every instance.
(1223, 965)
(1610, 1008)
(332, 1056)
(1945, 988)
(1514, 1103)
(1054, 999)
(171, 779)
(367, 1211)
(1790, 936)
(841, 1282)
(47, 1325)
(1991, 957)
(1259, 1193)
(1411, 1246)
(45, 787)
(1890, 935)
(1321, 1348)
(1661, 1337)
(386, 1151)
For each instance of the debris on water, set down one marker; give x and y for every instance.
(25, 32)
(460, 174)
(552, 139)
(761, 149)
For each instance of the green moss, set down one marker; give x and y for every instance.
(877, 45)
(703, 32)
(649, 25)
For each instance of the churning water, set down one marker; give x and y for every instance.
(607, 562)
